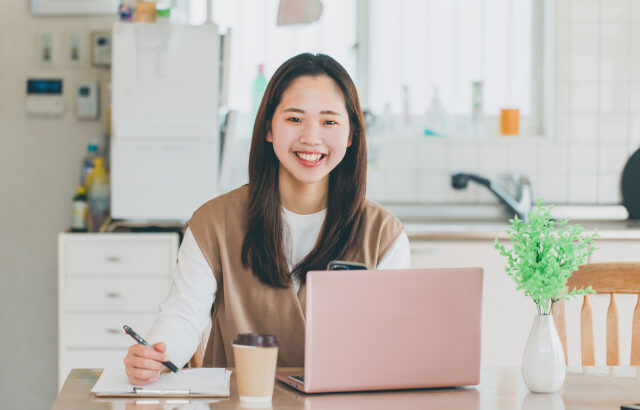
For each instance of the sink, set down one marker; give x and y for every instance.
(590, 212)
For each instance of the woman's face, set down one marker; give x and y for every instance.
(310, 129)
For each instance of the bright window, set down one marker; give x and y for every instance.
(445, 46)
(257, 39)
(415, 45)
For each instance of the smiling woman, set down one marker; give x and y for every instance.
(304, 206)
(310, 114)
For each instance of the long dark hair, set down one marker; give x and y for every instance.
(263, 249)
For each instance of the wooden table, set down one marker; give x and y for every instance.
(500, 388)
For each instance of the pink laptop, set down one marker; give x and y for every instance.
(390, 329)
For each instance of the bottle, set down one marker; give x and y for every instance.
(163, 11)
(386, 121)
(79, 210)
(98, 195)
(406, 106)
(87, 163)
(435, 121)
(163, 15)
(476, 108)
(145, 11)
(257, 91)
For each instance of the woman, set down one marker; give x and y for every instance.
(242, 264)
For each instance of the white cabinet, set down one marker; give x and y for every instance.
(104, 282)
(507, 314)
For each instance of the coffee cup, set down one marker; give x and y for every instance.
(256, 356)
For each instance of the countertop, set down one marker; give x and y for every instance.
(487, 230)
(487, 222)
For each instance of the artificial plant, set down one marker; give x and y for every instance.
(544, 255)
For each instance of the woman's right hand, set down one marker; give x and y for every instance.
(144, 365)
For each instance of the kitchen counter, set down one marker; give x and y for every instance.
(487, 222)
(482, 230)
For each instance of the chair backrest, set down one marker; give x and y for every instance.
(611, 278)
(197, 360)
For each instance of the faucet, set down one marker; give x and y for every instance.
(520, 203)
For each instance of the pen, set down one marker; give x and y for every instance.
(143, 342)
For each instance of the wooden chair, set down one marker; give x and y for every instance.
(604, 278)
(197, 360)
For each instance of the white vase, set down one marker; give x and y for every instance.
(543, 366)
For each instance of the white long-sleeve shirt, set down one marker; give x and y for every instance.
(185, 314)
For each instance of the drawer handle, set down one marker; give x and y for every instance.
(113, 259)
(113, 295)
(113, 331)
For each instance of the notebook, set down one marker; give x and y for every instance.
(201, 382)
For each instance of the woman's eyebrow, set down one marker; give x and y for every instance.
(293, 109)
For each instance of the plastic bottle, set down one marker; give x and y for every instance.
(163, 15)
(406, 106)
(476, 108)
(257, 91)
(386, 120)
(87, 163)
(79, 210)
(98, 195)
(163, 11)
(435, 118)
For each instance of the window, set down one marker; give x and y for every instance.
(413, 49)
(257, 39)
(443, 47)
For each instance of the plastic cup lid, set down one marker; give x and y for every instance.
(256, 339)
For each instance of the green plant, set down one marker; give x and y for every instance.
(545, 253)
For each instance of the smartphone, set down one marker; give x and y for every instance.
(630, 407)
(342, 265)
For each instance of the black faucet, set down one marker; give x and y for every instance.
(520, 205)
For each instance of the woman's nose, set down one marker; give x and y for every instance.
(310, 135)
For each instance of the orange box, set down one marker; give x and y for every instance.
(509, 118)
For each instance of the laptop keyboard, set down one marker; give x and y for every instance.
(298, 378)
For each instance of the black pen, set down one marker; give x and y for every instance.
(143, 342)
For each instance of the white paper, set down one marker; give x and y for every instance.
(209, 381)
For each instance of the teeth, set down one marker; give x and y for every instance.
(309, 157)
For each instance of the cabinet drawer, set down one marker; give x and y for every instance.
(103, 330)
(90, 294)
(121, 257)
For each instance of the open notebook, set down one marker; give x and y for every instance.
(202, 382)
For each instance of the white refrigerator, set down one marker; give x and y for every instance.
(165, 134)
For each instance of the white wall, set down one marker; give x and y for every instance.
(39, 170)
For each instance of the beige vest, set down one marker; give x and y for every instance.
(243, 304)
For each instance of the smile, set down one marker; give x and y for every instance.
(310, 157)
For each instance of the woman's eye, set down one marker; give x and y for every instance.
(330, 122)
(294, 119)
